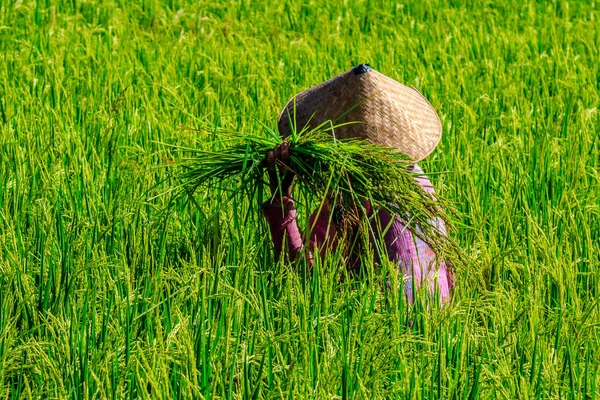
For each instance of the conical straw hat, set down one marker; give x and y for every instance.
(385, 111)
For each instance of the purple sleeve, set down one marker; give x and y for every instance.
(281, 217)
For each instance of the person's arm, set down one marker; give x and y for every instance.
(281, 217)
(279, 210)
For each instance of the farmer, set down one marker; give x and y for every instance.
(390, 114)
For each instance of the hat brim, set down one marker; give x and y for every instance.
(371, 106)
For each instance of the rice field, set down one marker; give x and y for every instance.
(111, 286)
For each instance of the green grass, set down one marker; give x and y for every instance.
(112, 288)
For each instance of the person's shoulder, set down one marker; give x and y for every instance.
(416, 169)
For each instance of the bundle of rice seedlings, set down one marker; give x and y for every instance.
(349, 168)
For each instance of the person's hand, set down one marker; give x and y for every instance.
(277, 164)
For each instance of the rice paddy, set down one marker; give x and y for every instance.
(114, 286)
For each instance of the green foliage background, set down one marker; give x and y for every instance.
(106, 291)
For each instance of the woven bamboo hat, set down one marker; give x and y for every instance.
(385, 111)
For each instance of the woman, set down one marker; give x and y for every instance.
(389, 114)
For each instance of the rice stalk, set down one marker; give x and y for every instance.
(346, 169)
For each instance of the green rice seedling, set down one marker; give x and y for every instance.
(345, 170)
